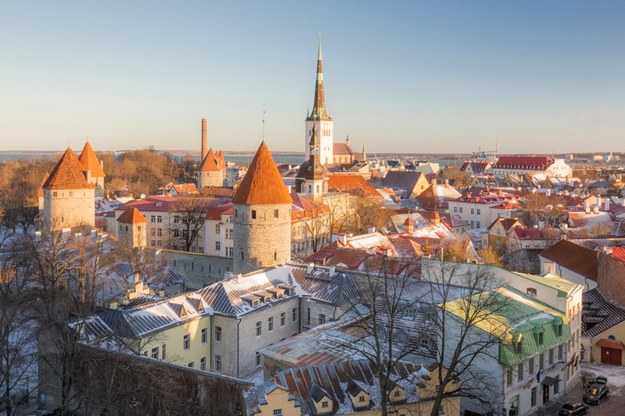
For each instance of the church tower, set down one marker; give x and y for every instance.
(262, 216)
(321, 119)
(311, 181)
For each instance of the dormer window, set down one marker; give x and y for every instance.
(532, 291)
(325, 404)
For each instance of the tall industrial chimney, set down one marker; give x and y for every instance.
(204, 140)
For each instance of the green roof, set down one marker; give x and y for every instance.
(514, 315)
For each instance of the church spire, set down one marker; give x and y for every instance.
(319, 106)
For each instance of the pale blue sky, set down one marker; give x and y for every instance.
(439, 76)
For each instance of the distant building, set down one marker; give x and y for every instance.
(521, 165)
(212, 169)
(93, 169)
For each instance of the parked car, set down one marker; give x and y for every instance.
(596, 393)
(573, 409)
(589, 381)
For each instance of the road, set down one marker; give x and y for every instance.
(614, 405)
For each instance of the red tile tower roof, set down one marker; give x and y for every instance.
(90, 162)
(67, 174)
(132, 216)
(262, 184)
(211, 162)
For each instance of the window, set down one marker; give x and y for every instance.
(556, 387)
(277, 412)
(276, 213)
(204, 335)
(461, 210)
(509, 377)
(530, 365)
(478, 224)
(55, 193)
(217, 245)
(176, 220)
(322, 319)
(520, 372)
(294, 314)
(217, 229)
(559, 330)
(159, 232)
(217, 362)
(282, 319)
(397, 393)
(217, 333)
(560, 352)
(191, 364)
(152, 218)
(159, 219)
(361, 398)
(518, 347)
(186, 342)
(541, 361)
(551, 356)
(258, 360)
(270, 324)
(324, 404)
(531, 291)
(259, 328)
(203, 363)
(455, 209)
(472, 211)
(253, 214)
(155, 353)
(478, 211)
(533, 399)
(163, 351)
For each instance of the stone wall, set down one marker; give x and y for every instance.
(262, 236)
(197, 270)
(210, 178)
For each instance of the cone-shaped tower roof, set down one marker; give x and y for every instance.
(67, 174)
(90, 162)
(262, 184)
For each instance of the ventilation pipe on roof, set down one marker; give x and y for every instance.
(607, 204)
(310, 267)
(595, 209)
(548, 192)
(332, 271)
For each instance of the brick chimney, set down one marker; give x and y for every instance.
(204, 140)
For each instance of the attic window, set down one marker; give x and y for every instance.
(324, 404)
(559, 330)
(253, 214)
(532, 291)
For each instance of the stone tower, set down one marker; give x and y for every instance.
(212, 170)
(131, 228)
(321, 119)
(92, 169)
(69, 199)
(262, 216)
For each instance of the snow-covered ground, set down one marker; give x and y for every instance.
(615, 374)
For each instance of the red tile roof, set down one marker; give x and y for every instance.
(211, 163)
(262, 184)
(523, 162)
(574, 257)
(529, 233)
(90, 162)
(352, 184)
(131, 216)
(67, 174)
(476, 166)
(618, 253)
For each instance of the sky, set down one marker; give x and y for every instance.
(413, 77)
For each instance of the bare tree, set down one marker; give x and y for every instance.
(386, 317)
(18, 353)
(189, 214)
(461, 348)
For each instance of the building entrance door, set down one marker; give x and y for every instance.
(611, 356)
(545, 393)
